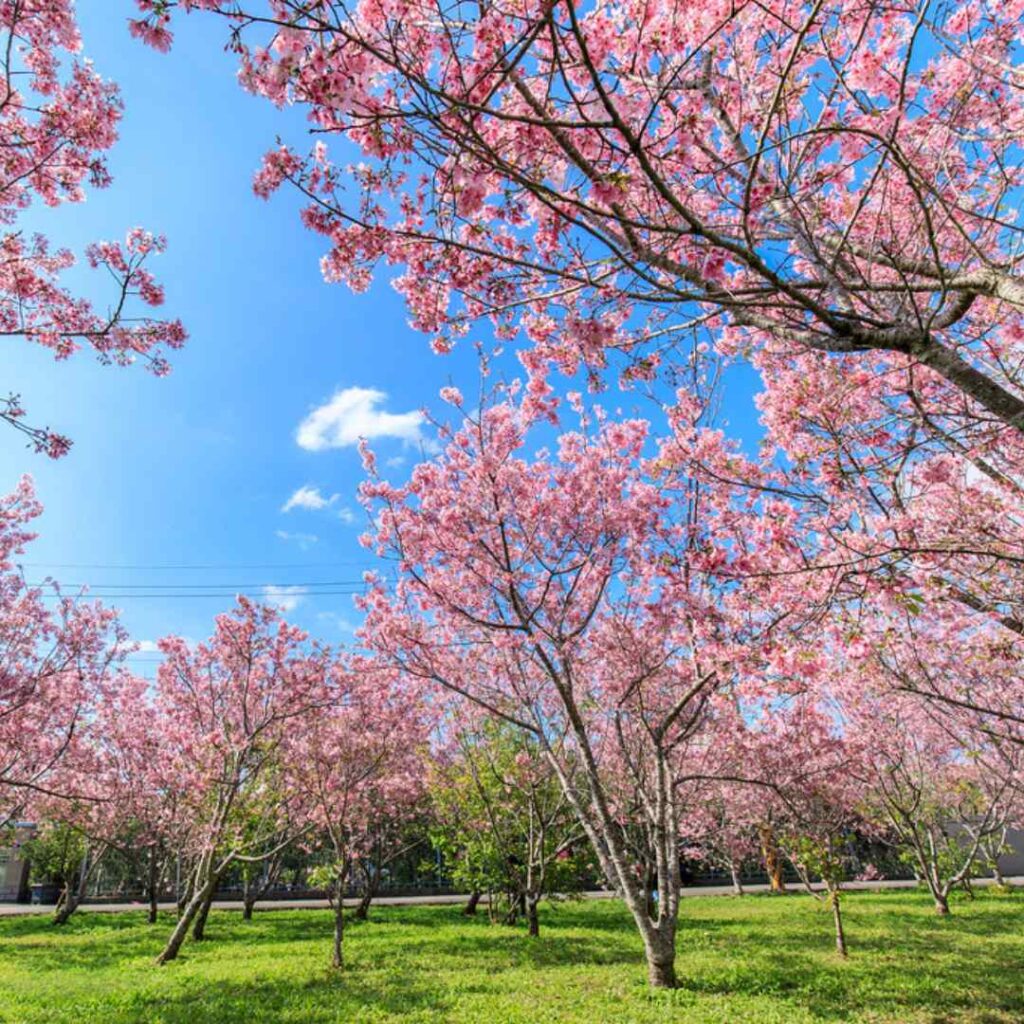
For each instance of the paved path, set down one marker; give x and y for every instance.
(14, 909)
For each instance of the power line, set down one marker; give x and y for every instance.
(105, 595)
(195, 566)
(203, 586)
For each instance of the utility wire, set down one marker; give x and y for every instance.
(203, 586)
(195, 566)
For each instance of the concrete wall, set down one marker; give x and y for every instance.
(1013, 863)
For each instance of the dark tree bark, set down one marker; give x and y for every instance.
(152, 884)
(248, 898)
(369, 891)
(469, 910)
(199, 928)
(532, 917)
(338, 957)
(75, 887)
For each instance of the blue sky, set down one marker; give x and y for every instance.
(180, 483)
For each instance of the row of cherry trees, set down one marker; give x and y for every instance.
(656, 641)
(628, 680)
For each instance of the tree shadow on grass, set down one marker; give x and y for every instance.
(336, 997)
(96, 941)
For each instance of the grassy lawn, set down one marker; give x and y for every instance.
(755, 960)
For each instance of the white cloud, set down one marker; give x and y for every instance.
(147, 647)
(395, 461)
(354, 413)
(346, 515)
(304, 540)
(338, 622)
(308, 497)
(285, 598)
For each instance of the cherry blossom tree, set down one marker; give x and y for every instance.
(358, 765)
(56, 651)
(938, 797)
(813, 774)
(58, 118)
(821, 188)
(118, 802)
(828, 187)
(578, 596)
(227, 709)
(721, 831)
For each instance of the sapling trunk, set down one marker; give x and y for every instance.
(772, 861)
(338, 957)
(199, 897)
(737, 884)
(532, 917)
(249, 894)
(151, 887)
(73, 894)
(199, 928)
(837, 917)
(469, 910)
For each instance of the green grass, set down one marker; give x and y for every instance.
(755, 960)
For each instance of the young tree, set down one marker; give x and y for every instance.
(722, 828)
(58, 118)
(227, 709)
(811, 772)
(356, 767)
(927, 788)
(504, 824)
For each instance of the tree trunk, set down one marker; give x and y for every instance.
(369, 891)
(199, 898)
(338, 959)
(151, 887)
(249, 894)
(469, 910)
(74, 894)
(661, 961)
(737, 884)
(362, 912)
(941, 903)
(997, 874)
(199, 928)
(650, 885)
(532, 917)
(184, 893)
(837, 917)
(64, 908)
(772, 860)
